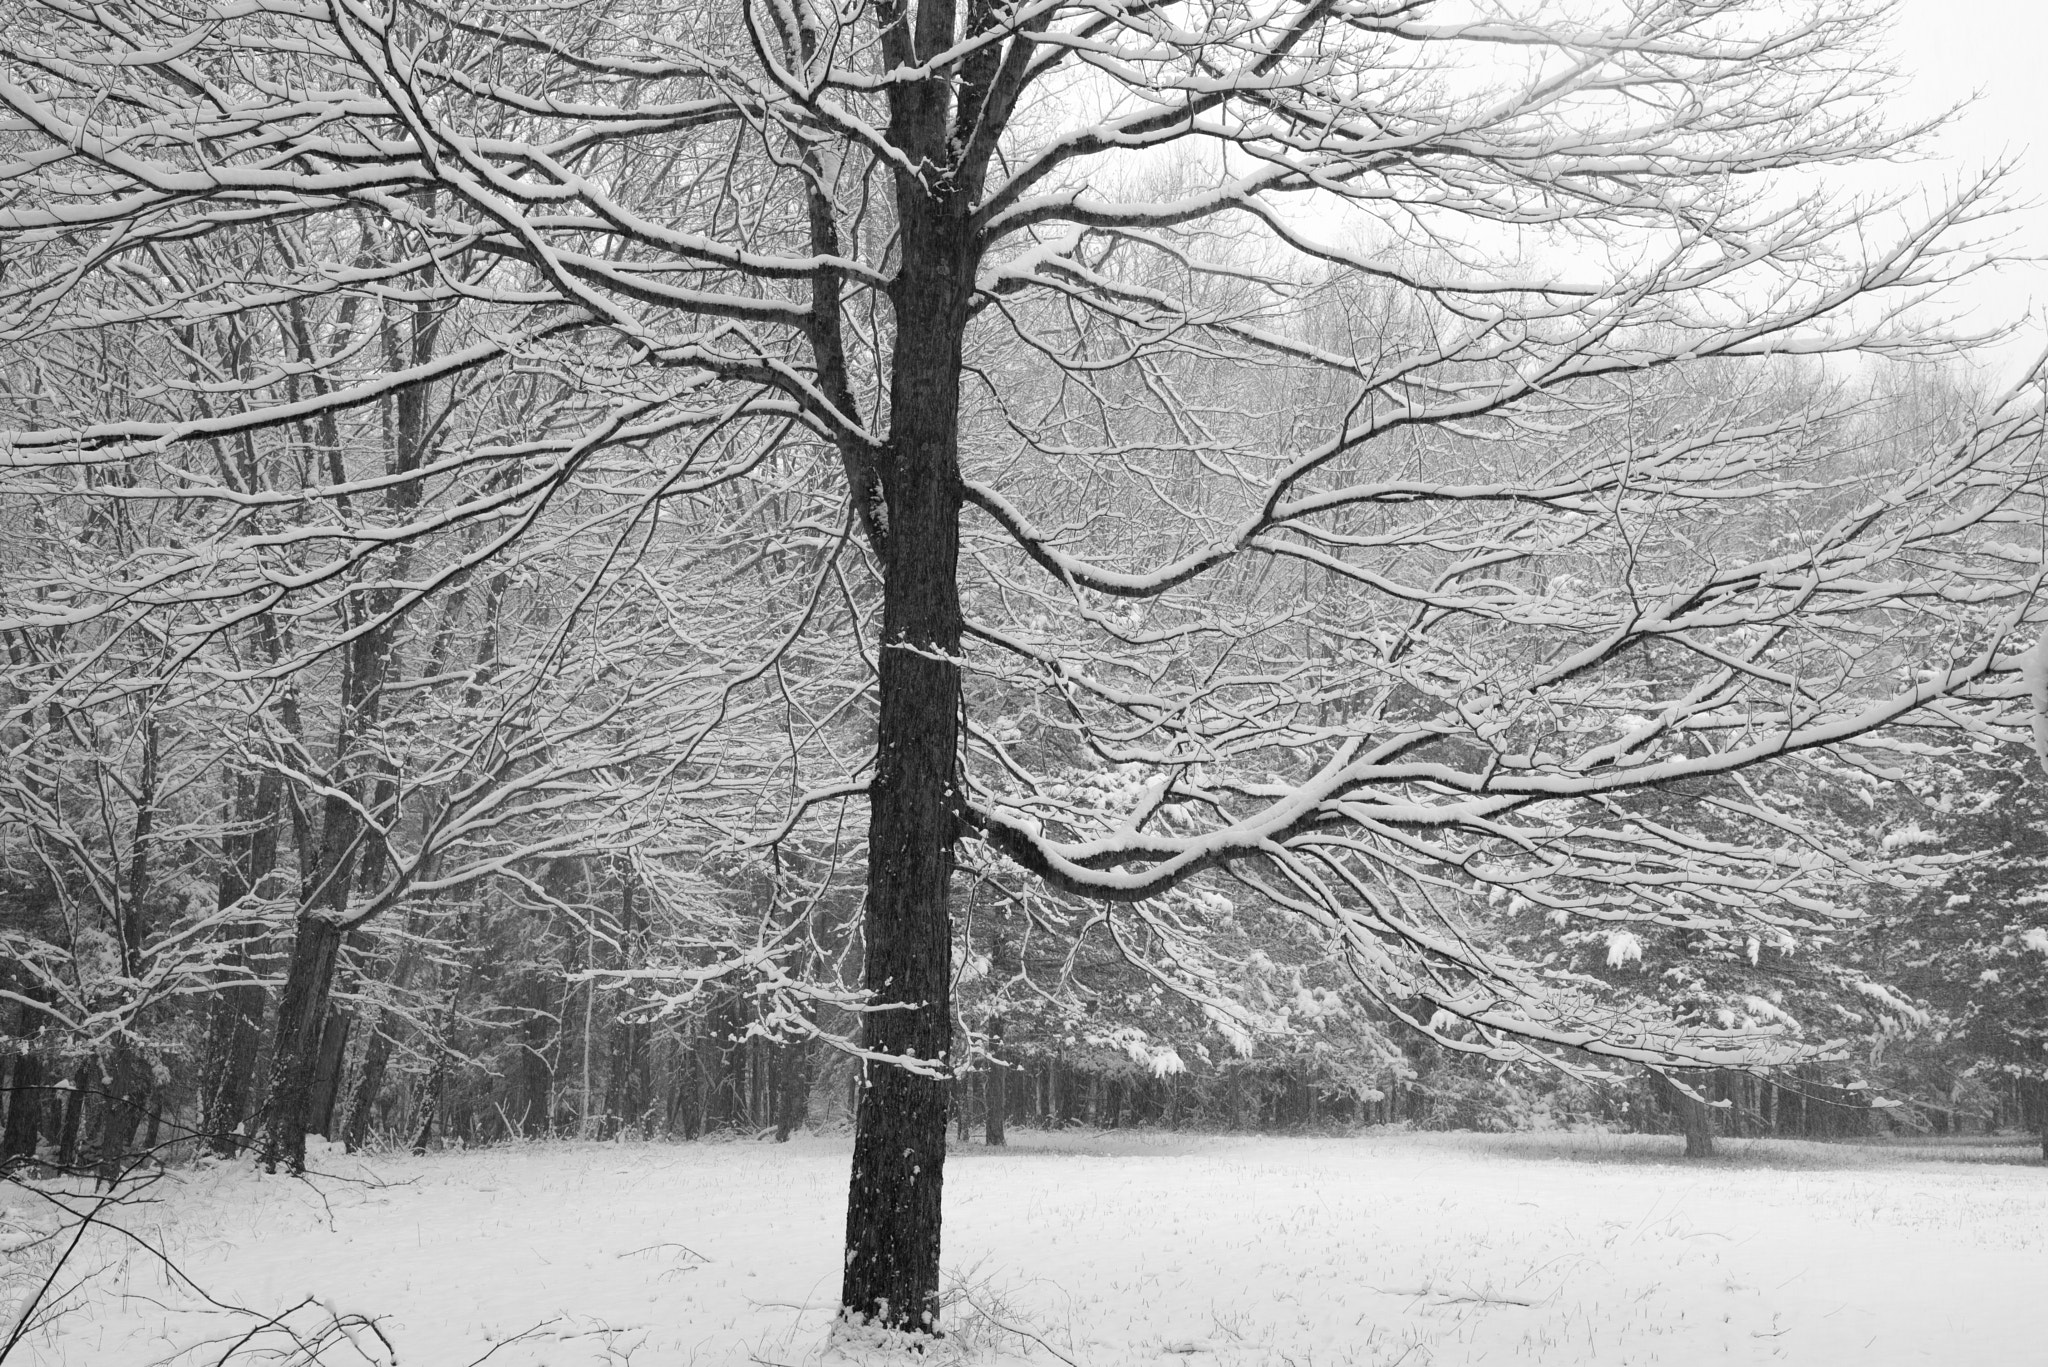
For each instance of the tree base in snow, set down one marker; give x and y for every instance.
(857, 1343)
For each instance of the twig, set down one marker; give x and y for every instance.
(1020, 1333)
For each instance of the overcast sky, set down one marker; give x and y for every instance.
(1997, 49)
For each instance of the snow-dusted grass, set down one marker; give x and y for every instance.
(1108, 1250)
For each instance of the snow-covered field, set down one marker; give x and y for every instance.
(1107, 1250)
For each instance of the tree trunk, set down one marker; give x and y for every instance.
(899, 1150)
(116, 1112)
(327, 1073)
(1695, 1117)
(430, 1095)
(70, 1114)
(628, 1096)
(996, 1090)
(301, 1012)
(25, 1102)
(369, 1079)
(235, 1015)
(234, 1032)
(793, 1087)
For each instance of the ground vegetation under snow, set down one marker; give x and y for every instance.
(1095, 1249)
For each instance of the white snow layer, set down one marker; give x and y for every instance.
(1116, 1250)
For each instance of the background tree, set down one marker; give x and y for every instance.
(1973, 943)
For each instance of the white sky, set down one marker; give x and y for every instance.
(1998, 51)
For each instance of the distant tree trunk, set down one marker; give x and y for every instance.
(533, 1078)
(685, 1109)
(369, 1084)
(1696, 1118)
(69, 1115)
(24, 1092)
(25, 1102)
(628, 1088)
(626, 1099)
(430, 1095)
(793, 1089)
(116, 1112)
(234, 1028)
(996, 1090)
(327, 1073)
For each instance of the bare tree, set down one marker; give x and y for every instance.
(1245, 395)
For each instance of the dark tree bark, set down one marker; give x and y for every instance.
(350, 848)
(899, 1154)
(327, 1072)
(235, 1015)
(301, 1012)
(627, 1093)
(430, 1096)
(119, 1106)
(234, 1034)
(996, 1090)
(24, 1105)
(302, 1007)
(70, 1114)
(792, 1087)
(1695, 1118)
(368, 1083)
(24, 1091)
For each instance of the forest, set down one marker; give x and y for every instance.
(922, 570)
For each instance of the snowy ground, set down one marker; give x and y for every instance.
(1112, 1250)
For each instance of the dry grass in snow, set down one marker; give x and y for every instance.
(1104, 1250)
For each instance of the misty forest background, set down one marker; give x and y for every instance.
(582, 976)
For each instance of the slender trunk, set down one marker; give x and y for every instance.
(327, 1072)
(792, 1087)
(116, 1112)
(627, 1098)
(368, 1082)
(583, 1130)
(996, 1091)
(430, 1094)
(70, 1114)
